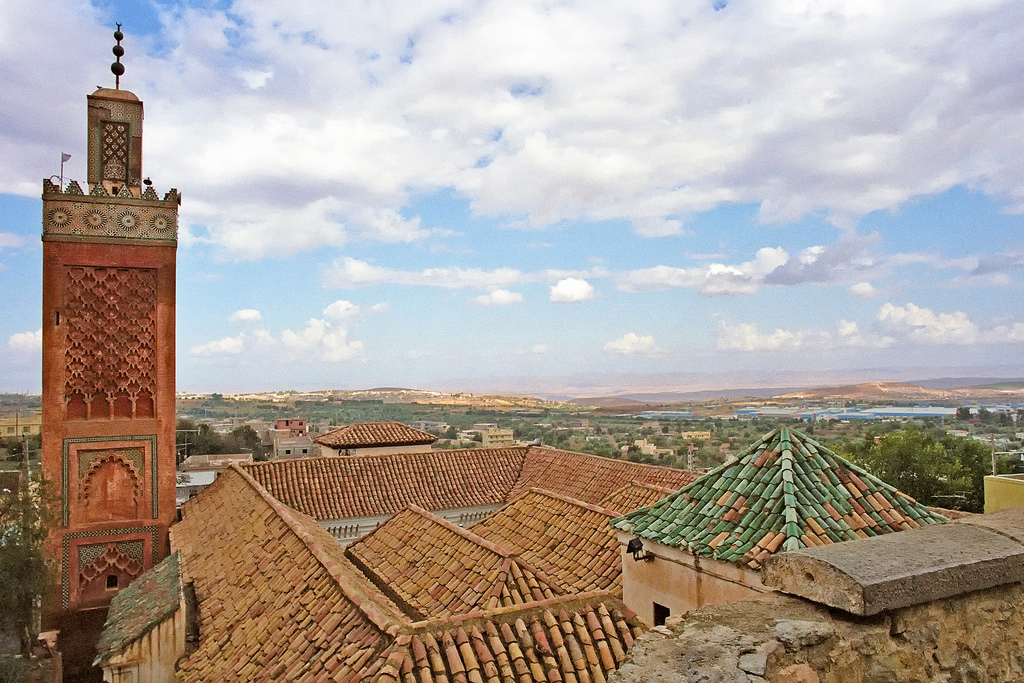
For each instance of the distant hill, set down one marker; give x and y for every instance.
(668, 397)
(900, 391)
(609, 402)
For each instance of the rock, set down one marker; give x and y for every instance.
(753, 663)
(800, 634)
(798, 673)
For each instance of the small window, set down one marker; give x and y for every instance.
(304, 451)
(661, 613)
(287, 451)
(112, 582)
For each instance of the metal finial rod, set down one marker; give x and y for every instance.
(117, 68)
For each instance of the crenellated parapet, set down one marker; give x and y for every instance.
(133, 213)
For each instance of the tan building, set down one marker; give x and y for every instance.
(498, 438)
(375, 438)
(705, 544)
(20, 425)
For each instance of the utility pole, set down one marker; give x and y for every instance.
(992, 438)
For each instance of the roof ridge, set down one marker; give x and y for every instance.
(600, 596)
(360, 599)
(369, 456)
(644, 484)
(553, 584)
(572, 501)
(604, 457)
(465, 533)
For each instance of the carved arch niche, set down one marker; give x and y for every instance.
(111, 485)
(106, 568)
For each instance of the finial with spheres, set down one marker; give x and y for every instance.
(117, 68)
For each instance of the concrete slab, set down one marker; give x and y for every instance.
(911, 567)
(1009, 522)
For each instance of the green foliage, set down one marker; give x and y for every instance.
(946, 472)
(27, 512)
(200, 439)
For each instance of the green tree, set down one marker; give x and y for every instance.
(947, 472)
(909, 459)
(245, 439)
(26, 577)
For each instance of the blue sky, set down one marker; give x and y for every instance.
(568, 198)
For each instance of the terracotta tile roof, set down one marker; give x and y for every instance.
(783, 493)
(369, 434)
(371, 485)
(635, 495)
(567, 539)
(144, 603)
(433, 568)
(589, 477)
(277, 598)
(577, 639)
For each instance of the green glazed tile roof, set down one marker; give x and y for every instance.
(783, 493)
(143, 604)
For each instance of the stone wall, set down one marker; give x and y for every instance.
(942, 604)
(972, 638)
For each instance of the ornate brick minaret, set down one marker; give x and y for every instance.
(108, 357)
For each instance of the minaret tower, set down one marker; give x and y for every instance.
(109, 253)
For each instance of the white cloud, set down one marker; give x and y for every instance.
(864, 290)
(327, 339)
(631, 344)
(571, 290)
(9, 240)
(246, 315)
(349, 273)
(228, 346)
(322, 339)
(710, 280)
(27, 342)
(317, 131)
(499, 297)
(540, 349)
(920, 324)
(897, 326)
(748, 337)
(341, 310)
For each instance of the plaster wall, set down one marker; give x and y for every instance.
(150, 659)
(1003, 491)
(354, 528)
(681, 581)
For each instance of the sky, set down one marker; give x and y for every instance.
(547, 196)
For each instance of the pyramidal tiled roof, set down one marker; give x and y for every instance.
(370, 434)
(783, 493)
(433, 568)
(568, 539)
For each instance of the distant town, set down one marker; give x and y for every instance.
(698, 434)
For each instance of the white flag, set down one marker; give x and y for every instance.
(64, 157)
